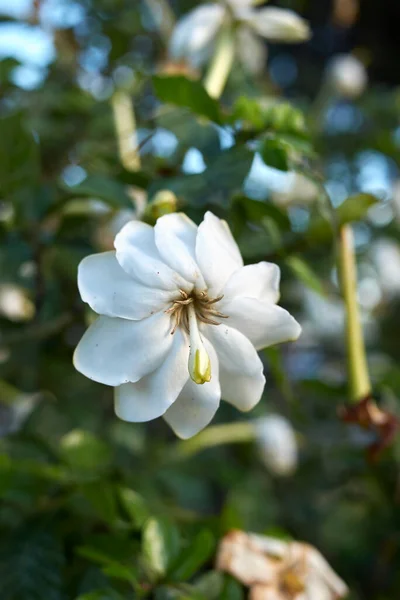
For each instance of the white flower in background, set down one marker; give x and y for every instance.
(276, 569)
(276, 440)
(15, 303)
(15, 413)
(196, 32)
(396, 199)
(386, 256)
(181, 320)
(297, 190)
(347, 76)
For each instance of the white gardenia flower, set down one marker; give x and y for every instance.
(195, 34)
(276, 440)
(181, 320)
(347, 76)
(297, 190)
(386, 256)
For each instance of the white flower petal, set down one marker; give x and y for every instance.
(175, 238)
(278, 24)
(193, 36)
(262, 323)
(240, 368)
(260, 281)
(138, 255)
(242, 391)
(110, 291)
(240, 4)
(152, 395)
(251, 50)
(217, 253)
(114, 351)
(197, 403)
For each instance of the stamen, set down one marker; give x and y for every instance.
(187, 313)
(199, 361)
(215, 300)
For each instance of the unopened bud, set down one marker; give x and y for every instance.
(277, 444)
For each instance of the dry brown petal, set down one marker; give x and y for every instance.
(265, 592)
(278, 570)
(240, 556)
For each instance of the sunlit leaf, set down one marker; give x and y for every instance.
(178, 90)
(160, 545)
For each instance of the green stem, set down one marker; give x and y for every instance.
(221, 64)
(125, 127)
(359, 382)
(216, 435)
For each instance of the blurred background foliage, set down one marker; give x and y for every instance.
(98, 509)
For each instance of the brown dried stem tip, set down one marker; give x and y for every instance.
(368, 415)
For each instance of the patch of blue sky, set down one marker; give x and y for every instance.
(18, 9)
(26, 43)
(193, 162)
(61, 13)
(262, 179)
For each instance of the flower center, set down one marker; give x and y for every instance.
(188, 312)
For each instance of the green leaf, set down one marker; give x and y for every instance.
(210, 584)
(216, 184)
(103, 500)
(107, 594)
(83, 451)
(31, 565)
(178, 90)
(122, 572)
(355, 208)
(192, 558)
(284, 151)
(7, 66)
(106, 549)
(135, 506)
(102, 188)
(306, 274)
(283, 117)
(178, 592)
(274, 154)
(19, 156)
(248, 110)
(246, 209)
(232, 590)
(160, 545)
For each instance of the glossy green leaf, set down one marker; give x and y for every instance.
(83, 451)
(355, 208)
(232, 590)
(101, 187)
(305, 273)
(216, 184)
(102, 500)
(19, 156)
(193, 558)
(274, 154)
(31, 564)
(135, 506)
(249, 111)
(160, 545)
(187, 93)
